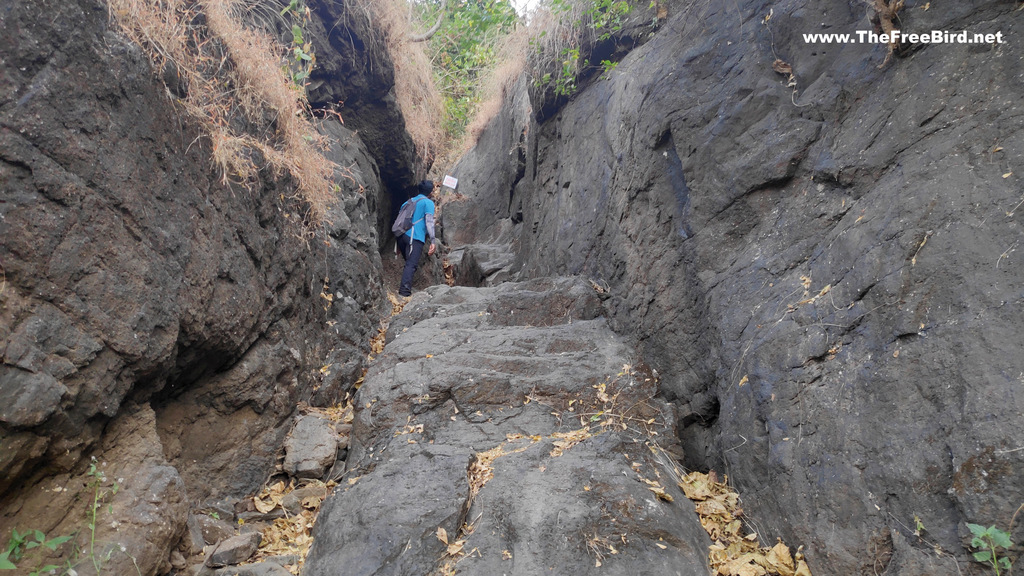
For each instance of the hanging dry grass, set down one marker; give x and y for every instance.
(229, 72)
(552, 34)
(498, 82)
(415, 91)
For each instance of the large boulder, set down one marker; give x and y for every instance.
(136, 499)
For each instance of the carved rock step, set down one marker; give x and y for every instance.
(507, 430)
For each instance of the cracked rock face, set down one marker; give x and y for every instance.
(152, 316)
(827, 280)
(506, 430)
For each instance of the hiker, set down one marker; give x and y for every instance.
(411, 243)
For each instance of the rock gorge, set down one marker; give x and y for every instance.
(798, 261)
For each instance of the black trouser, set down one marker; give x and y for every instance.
(412, 254)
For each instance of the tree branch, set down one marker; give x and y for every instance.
(433, 29)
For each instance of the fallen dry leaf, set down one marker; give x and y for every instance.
(733, 553)
(263, 506)
(456, 547)
(780, 560)
(782, 67)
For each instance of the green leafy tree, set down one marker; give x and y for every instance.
(463, 48)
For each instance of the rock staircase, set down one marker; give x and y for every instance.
(508, 430)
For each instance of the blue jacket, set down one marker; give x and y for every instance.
(422, 219)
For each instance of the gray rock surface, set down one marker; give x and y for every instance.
(212, 530)
(826, 276)
(234, 550)
(311, 447)
(512, 419)
(257, 569)
(134, 281)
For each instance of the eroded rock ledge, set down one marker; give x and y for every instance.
(508, 430)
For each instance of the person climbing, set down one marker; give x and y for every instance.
(411, 243)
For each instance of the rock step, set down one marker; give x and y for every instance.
(507, 430)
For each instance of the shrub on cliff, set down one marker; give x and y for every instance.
(465, 46)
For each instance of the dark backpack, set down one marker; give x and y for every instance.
(404, 221)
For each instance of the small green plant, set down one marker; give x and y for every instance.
(607, 67)
(989, 542)
(608, 16)
(580, 25)
(303, 59)
(100, 492)
(565, 84)
(918, 526)
(19, 544)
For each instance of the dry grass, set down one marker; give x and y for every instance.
(415, 91)
(512, 61)
(495, 85)
(552, 33)
(559, 39)
(536, 50)
(234, 76)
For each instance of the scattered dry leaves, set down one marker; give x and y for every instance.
(271, 497)
(291, 535)
(449, 272)
(566, 440)
(341, 412)
(397, 305)
(735, 553)
(410, 429)
(603, 546)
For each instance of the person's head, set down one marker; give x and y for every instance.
(426, 187)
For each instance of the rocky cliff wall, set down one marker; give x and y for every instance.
(822, 267)
(155, 322)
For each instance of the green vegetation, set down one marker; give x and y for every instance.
(303, 58)
(564, 82)
(20, 544)
(607, 16)
(481, 46)
(97, 481)
(17, 554)
(463, 49)
(558, 40)
(989, 543)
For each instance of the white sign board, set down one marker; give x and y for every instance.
(450, 181)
